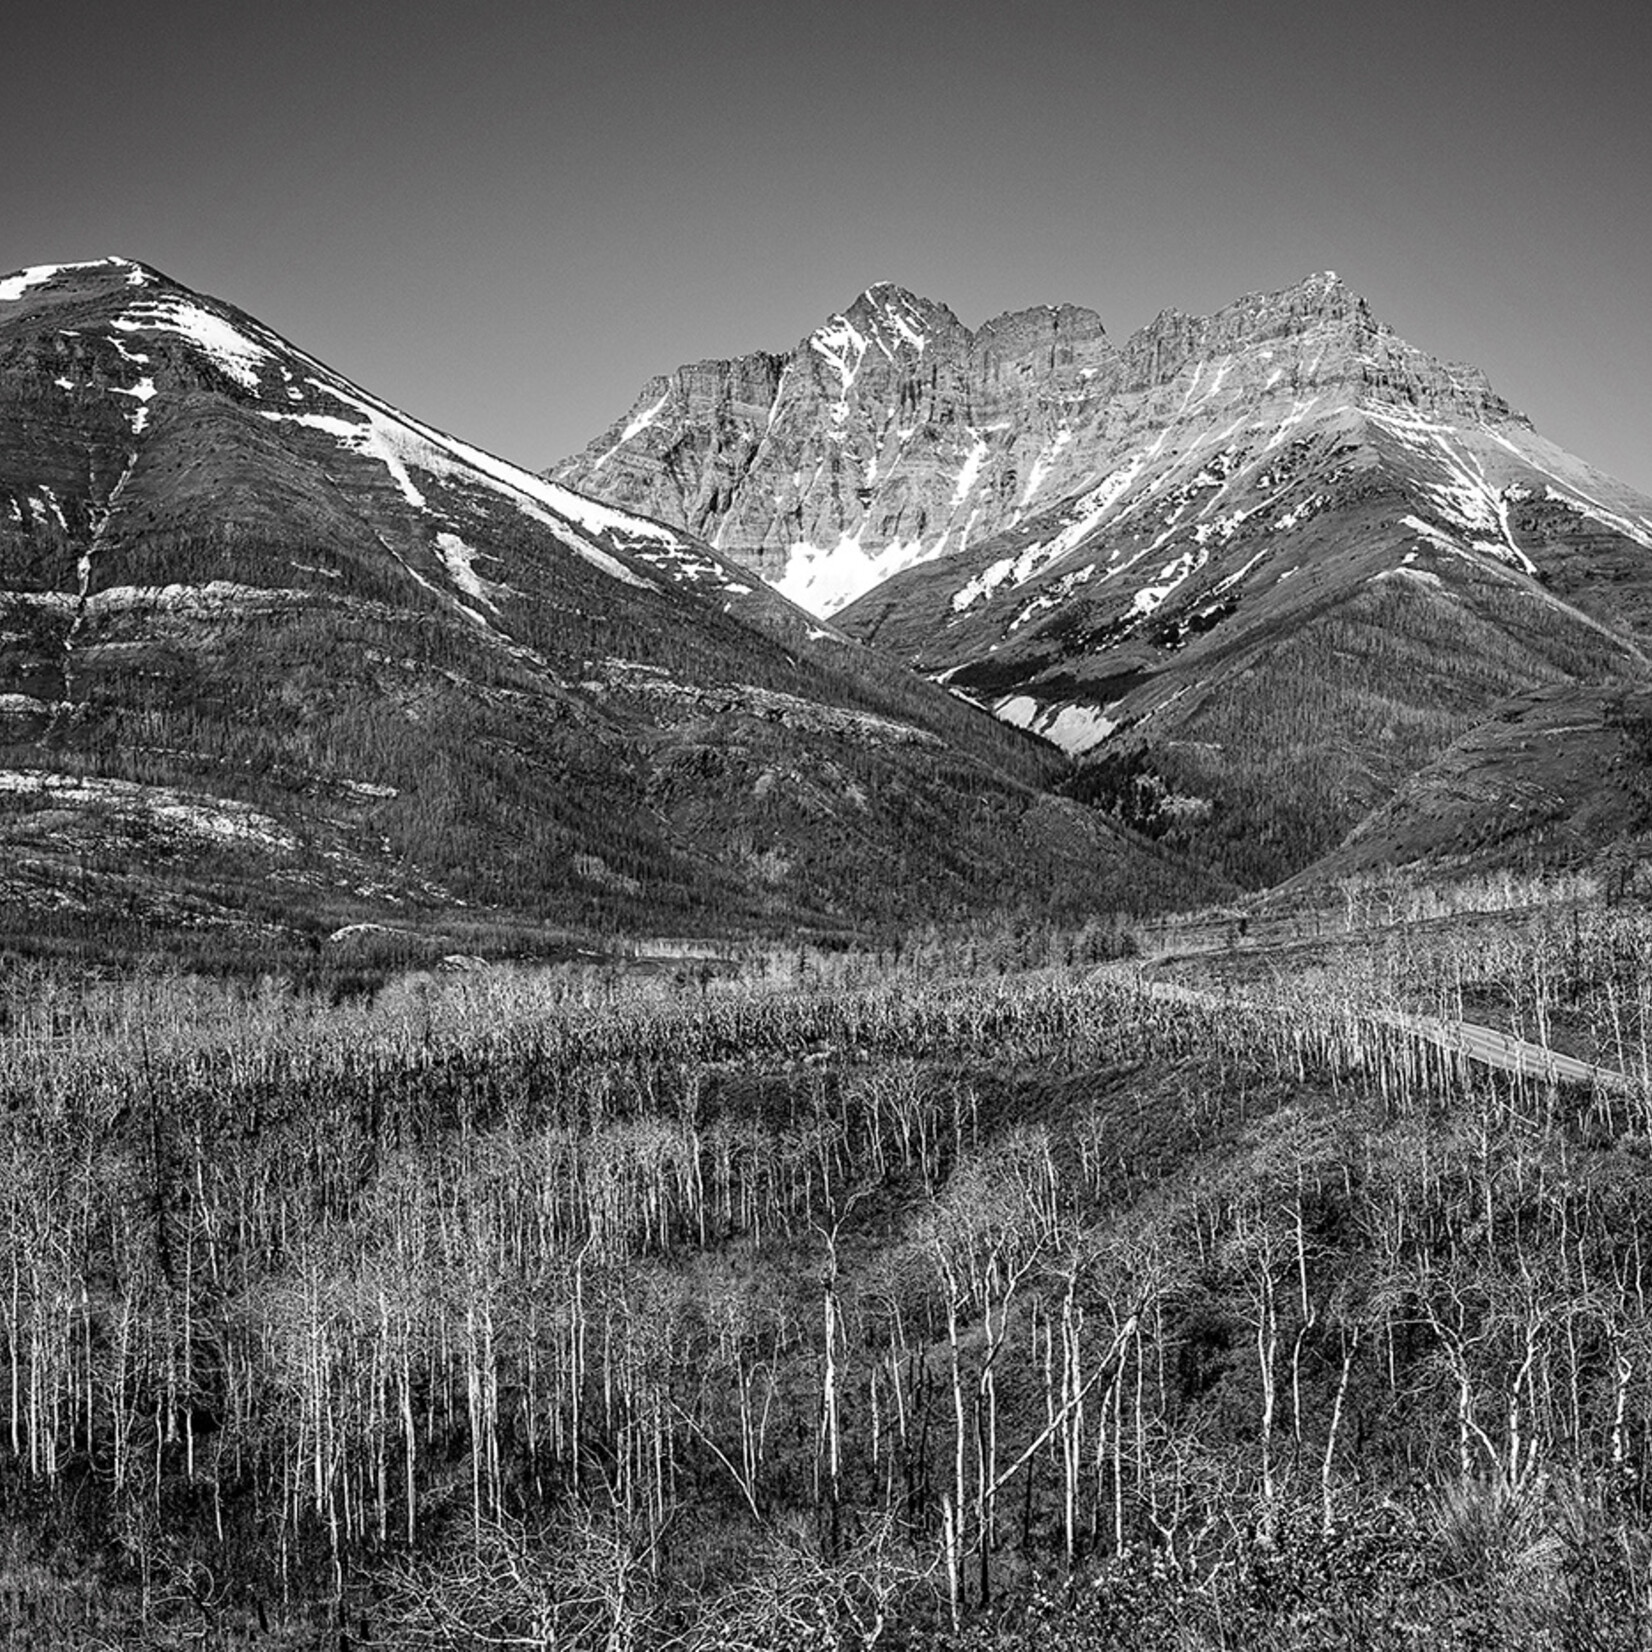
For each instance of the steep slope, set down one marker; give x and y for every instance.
(1559, 777)
(278, 654)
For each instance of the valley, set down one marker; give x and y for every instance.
(966, 988)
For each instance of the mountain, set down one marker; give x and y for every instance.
(888, 436)
(282, 661)
(1257, 567)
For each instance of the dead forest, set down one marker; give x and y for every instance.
(920, 1302)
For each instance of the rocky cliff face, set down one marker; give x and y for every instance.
(894, 435)
(890, 435)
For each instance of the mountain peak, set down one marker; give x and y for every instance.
(1317, 333)
(892, 316)
(897, 435)
(1319, 297)
(1324, 289)
(194, 509)
(115, 269)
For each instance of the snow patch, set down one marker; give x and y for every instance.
(143, 391)
(45, 503)
(896, 314)
(1093, 507)
(970, 472)
(376, 439)
(1300, 409)
(1019, 710)
(1222, 529)
(1171, 575)
(1466, 496)
(13, 287)
(397, 441)
(1047, 456)
(1078, 728)
(823, 580)
(1088, 513)
(1075, 728)
(1233, 579)
(634, 429)
(459, 560)
(1297, 514)
(683, 564)
(643, 420)
(842, 346)
(228, 347)
(907, 331)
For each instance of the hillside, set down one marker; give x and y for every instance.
(281, 660)
(1552, 777)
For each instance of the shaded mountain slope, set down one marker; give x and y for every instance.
(1553, 778)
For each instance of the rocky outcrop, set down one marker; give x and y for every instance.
(894, 435)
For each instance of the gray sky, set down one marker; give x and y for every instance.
(504, 217)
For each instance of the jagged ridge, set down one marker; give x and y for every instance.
(893, 434)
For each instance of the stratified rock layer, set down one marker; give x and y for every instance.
(888, 436)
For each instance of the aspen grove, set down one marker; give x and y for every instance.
(863, 1303)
